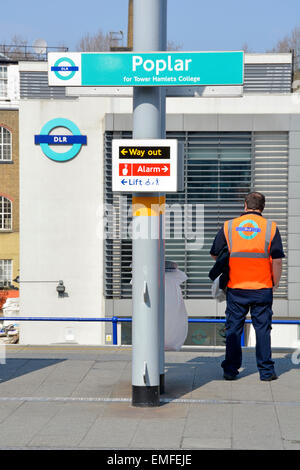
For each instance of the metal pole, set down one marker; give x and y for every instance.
(163, 47)
(115, 329)
(146, 250)
(243, 338)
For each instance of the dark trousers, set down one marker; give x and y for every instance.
(239, 302)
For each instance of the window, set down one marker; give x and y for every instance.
(3, 81)
(5, 214)
(5, 272)
(5, 144)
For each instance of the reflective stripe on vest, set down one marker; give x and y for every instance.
(245, 254)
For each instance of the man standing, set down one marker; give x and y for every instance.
(255, 264)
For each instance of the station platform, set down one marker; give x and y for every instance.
(77, 397)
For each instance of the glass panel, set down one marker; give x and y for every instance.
(199, 334)
(205, 334)
(126, 333)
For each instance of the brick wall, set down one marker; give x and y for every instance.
(9, 172)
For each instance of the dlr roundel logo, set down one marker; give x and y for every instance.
(64, 68)
(45, 139)
(248, 229)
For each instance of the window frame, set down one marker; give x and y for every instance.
(2, 201)
(4, 79)
(3, 145)
(3, 266)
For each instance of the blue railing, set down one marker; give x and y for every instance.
(116, 320)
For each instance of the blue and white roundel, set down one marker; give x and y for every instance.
(68, 67)
(249, 232)
(76, 140)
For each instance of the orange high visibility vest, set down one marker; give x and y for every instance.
(249, 239)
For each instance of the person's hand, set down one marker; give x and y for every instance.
(275, 287)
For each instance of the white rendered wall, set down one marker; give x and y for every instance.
(13, 82)
(282, 336)
(61, 225)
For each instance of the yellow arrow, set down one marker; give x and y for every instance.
(123, 151)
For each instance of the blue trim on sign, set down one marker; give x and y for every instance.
(60, 139)
(64, 68)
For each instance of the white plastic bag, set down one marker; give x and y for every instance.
(11, 308)
(216, 292)
(176, 318)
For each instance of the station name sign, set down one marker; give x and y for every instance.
(144, 165)
(146, 69)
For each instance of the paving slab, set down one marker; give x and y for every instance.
(27, 377)
(110, 433)
(69, 426)
(19, 428)
(209, 421)
(256, 427)
(158, 434)
(11, 368)
(7, 409)
(291, 445)
(97, 383)
(123, 411)
(289, 419)
(122, 389)
(251, 390)
(168, 411)
(285, 389)
(206, 443)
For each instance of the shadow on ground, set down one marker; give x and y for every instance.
(184, 378)
(15, 367)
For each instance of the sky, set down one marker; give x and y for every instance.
(195, 25)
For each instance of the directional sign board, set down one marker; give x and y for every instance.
(144, 165)
(146, 69)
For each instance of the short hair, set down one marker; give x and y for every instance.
(255, 201)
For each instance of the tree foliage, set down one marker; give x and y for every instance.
(94, 43)
(17, 48)
(246, 48)
(290, 42)
(173, 46)
(102, 42)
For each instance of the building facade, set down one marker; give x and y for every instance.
(75, 230)
(9, 172)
